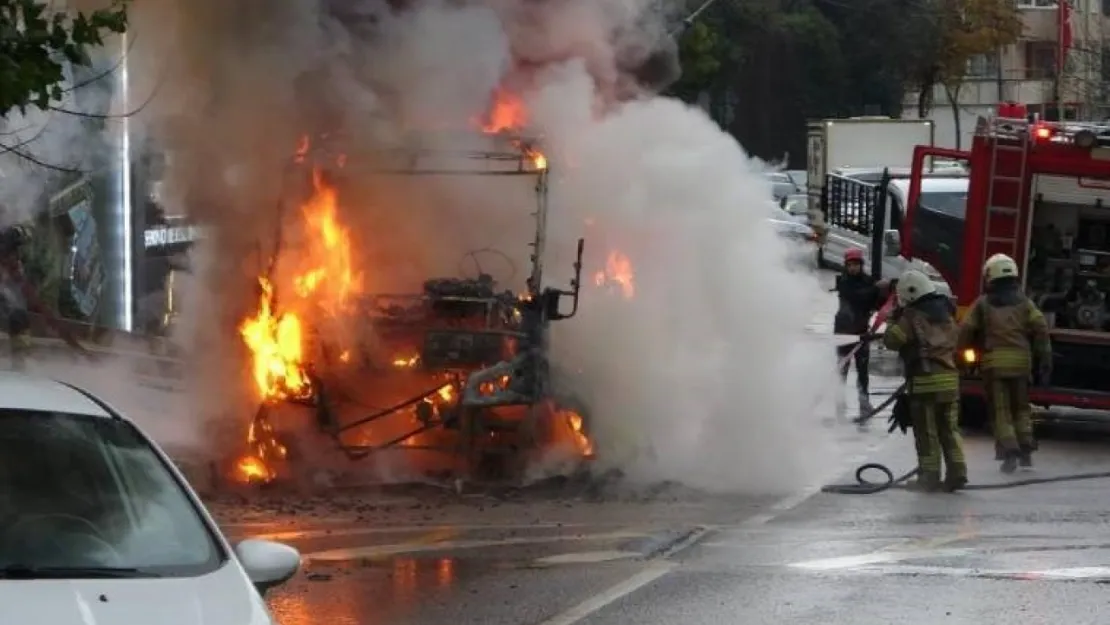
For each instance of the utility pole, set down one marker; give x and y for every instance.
(999, 79)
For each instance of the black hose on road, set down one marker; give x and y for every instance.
(864, 486)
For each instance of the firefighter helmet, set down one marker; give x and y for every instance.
(913, 285)
(999, 266)
(853, 255)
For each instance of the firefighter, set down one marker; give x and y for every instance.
(18, 299)
(1011, 333)
(923, 330)
(860, 297)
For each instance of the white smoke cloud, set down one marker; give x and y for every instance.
(705, 372)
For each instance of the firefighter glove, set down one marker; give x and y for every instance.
(1044, 371)
(900, 415)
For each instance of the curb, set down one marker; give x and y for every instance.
(665, 543)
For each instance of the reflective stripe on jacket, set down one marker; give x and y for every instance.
(1008, 336)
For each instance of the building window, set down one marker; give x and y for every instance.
(1037, 4)
(983, 66)
(1040, 60)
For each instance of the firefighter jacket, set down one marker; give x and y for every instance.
(859, 298)
(925, 335)
(1009, 330)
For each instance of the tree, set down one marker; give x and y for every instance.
(969, 28)
(36, 42)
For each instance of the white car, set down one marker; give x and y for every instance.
(98, 526)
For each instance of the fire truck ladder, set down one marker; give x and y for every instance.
(1006, 190)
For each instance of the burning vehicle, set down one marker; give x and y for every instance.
(459, 370)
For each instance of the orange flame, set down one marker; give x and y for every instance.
(251, 469)
(276, 342)
(618, 271)
(330, 249)
(324, 283)
(506, 112)
(577, 427)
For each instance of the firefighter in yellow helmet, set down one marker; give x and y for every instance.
(923, 331)
(1012, 335)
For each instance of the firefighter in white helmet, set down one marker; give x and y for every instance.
(923, 331)
(1011, 333)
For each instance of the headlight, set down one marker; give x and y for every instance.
(970, 356)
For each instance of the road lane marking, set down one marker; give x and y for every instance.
(610, 595)
(1077, 574)
(654, 571)
(377, 551)
(845, 563)
(586, 557)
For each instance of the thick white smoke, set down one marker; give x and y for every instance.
(704, 376)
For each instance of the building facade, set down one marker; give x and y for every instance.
(1027, 72)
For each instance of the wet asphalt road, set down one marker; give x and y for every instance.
(1036, 554)
(1033, 554)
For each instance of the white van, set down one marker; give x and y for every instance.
(938, 224)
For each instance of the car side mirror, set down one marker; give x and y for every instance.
(268, 564)
(892, 243)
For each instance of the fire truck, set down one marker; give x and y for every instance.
(1039, 192)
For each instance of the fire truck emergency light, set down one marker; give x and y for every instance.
(1042, 133)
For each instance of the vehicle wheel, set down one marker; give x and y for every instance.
(973, 412)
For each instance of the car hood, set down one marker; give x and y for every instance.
(224, 597)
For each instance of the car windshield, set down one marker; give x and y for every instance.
(951, 203)
(88, 496)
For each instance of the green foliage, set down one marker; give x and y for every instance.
(35, 42)
(815, 52)
(700, 50)
(970, 28)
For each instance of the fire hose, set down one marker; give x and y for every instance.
(864, 486)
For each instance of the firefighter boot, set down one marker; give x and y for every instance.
(1010, 461)
(926, 482)
(956, 479)
(1025, 456)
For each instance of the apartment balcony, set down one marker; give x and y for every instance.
(1040, 24)
(982, 91)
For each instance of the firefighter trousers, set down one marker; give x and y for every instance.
(936, 435)
(1011, 416)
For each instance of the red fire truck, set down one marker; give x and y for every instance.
(1039, 192)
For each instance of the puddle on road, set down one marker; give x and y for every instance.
(368, 592)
